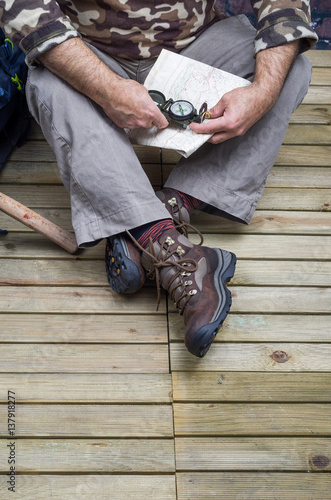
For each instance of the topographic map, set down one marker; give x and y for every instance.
(180, 77)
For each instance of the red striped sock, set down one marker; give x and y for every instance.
(189, 201)
(152, 230)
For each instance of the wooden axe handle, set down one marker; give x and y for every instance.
(35, 221)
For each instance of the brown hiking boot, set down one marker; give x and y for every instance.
(123, 267)
(180, 215)
(174, 204)
(195, 278)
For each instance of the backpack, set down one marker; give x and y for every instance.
(15, 122)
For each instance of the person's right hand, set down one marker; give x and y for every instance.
(126, 102)
(130, 106)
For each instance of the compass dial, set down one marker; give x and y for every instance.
(181, 110)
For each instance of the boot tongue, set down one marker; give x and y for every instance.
(173, 239)
(175, 204)
(170, 241)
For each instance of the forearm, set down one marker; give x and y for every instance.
(272, 67)
(75, 63)
(241, 108)
(126, 102)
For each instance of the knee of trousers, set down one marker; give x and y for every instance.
(298, 79)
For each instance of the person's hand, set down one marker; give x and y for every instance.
(126, 102)
(235, 113)
(130, 106)
(240, 108)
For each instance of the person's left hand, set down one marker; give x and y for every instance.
(235, 113)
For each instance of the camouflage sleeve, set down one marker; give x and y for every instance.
(35, 25)
(283, 21)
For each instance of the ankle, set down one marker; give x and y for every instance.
(189, 201)
(152, 230)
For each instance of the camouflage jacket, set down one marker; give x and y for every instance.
(137, 29)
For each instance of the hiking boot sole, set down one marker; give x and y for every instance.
(204, 337)
(122, 273)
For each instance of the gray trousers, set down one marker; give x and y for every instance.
(108, 188)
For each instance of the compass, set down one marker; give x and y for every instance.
(182, 110)
(180, 113)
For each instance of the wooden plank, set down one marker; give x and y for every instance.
(318, 95)
(92, 273)
(35, 196)
(248, 386)
(263, 454)
(319, 58)
(252, 419)
(271, 246)
(39, 152)
(74, 358)
(252, 486)
(91, 300)
(285, 222)
(279, 273)
(87, 388)
(33, 151)
(33, 245)
(56, 272)
(321, 76)
(35, 133)
(319, 156)
(264, 221)
(90, 486)
(37, 172)
(273, 198)
(264, 328)
(60, 216)
(311, 113)
(290, 300)
(295, 199)
(83, 328)
(267, 222)
(111, 421)
(92, 455)
(271, 357)
(308, 134)
(299, 177)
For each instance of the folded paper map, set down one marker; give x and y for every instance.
(179, 77)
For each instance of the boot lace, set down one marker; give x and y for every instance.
(185, 267)
(180, 224)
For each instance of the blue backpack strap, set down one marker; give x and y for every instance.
(15, 123)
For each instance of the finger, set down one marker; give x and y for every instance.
(158, 119)
(217, 110)
(160, 122)
(211, 127)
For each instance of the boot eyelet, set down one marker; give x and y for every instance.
(188, 283)
(193, 292)
(172, 202)
(169, 241)
(180, 251)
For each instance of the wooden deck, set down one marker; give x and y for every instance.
(109, 405)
